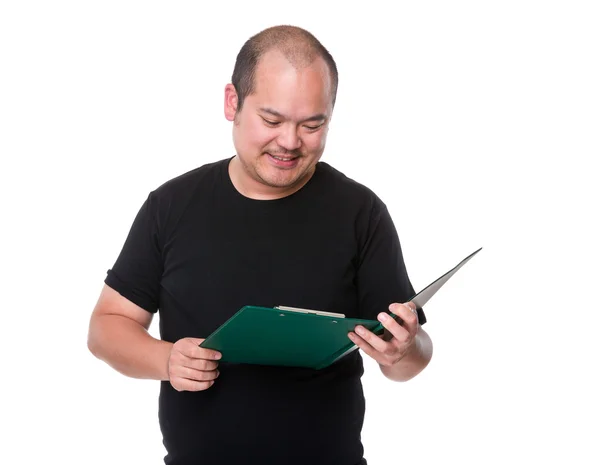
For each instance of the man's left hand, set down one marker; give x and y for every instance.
(398, 339)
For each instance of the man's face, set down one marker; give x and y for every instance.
(280, 132)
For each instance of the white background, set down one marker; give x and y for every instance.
(476, 122)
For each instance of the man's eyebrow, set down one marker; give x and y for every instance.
(319, 117)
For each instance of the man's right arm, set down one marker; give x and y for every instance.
(118, 335)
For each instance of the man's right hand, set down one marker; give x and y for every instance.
(192, 368)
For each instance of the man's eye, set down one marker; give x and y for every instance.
(314, 128)
(271, 123)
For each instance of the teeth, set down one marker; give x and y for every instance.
(282, 159)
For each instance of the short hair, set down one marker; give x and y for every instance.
(298, 45)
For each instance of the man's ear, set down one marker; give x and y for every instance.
(231, 102)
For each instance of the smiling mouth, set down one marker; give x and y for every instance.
(280, 158)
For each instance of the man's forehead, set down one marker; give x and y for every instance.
(277, 114)
(274, 64)
(302, 58)
(278, 79)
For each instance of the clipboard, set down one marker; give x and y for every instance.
(297, 337)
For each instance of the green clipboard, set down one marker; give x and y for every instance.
(283, 336)
(288, 336)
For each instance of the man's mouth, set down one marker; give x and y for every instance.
(284, 161)
(277, 157)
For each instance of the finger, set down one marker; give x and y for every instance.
(199, 364)
(407, 313)
(367, 348)
(182, 384)
(178, 371)
(372, 339)
(207, 354)
(384, 347)
(189, 347)
(396, 330)
(177, 358)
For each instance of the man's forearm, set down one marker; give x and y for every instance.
(413, 362)
(127, 347)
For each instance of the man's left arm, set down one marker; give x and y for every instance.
(405, 348)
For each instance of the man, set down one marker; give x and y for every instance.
(270, 226)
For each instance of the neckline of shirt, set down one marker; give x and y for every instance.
(231, 189)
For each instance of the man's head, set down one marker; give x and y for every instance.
(299, 46)
(280, 100)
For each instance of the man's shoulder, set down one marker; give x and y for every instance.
(170, 200)
(343, 185)
(189, 181)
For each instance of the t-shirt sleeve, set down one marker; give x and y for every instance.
(382, 278)
(138, 269)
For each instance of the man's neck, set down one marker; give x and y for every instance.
(253, 189)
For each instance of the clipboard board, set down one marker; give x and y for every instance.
(296, 337)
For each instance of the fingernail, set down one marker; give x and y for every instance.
(383, 317)
(360, 330)
(217, 356)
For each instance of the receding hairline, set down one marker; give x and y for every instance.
(298, 46)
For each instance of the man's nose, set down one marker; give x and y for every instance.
(288, 138)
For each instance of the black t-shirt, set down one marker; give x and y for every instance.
(198, 251)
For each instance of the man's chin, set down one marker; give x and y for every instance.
(280, 179)
(279, 183)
